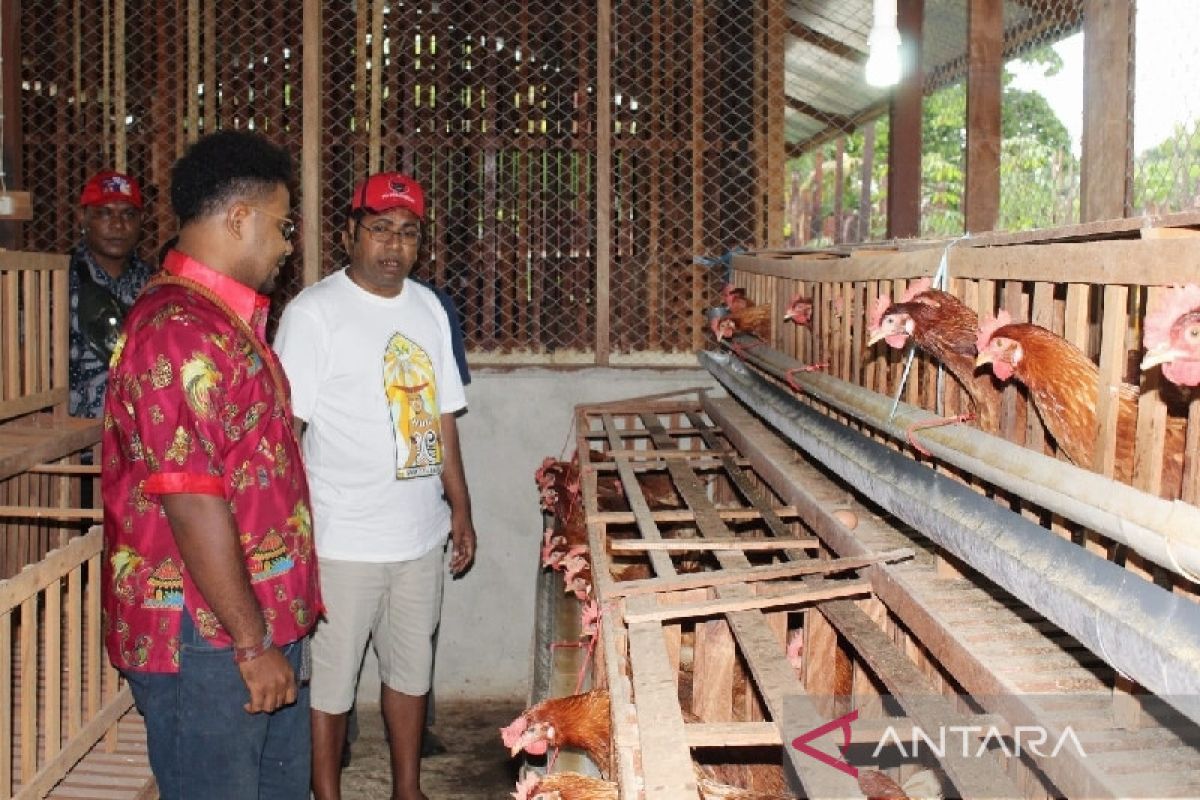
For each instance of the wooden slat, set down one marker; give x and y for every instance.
(6, 706)
(682, 515)
(1161, 262)
(734, 543)
(764, 572)
(930, 710)
(991, 676)
(666, 762)
(726, 605)
(49, 512)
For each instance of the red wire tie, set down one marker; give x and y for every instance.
(933, 423)
(806, 368)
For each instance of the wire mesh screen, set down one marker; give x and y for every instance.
(127, 85)
(570, 188)
(1166, 107)
(1041, 115)
(837, 173)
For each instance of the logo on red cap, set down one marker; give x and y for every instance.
(111, 187)
(387, 191)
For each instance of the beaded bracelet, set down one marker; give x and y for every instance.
(243, 654)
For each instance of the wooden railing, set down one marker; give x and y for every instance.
(34, 347)
(58, 694)
(1090, 284)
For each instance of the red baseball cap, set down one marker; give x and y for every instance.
(111, 187)
(385, 191)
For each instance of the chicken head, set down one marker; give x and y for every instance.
(1172, 335)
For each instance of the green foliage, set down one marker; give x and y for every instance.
(1039, 175)
(1166, 178)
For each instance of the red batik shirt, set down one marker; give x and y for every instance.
(192, 408)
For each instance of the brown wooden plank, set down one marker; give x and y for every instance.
(1106, 137)
(764, 572)
(731, 543)
(973, 777)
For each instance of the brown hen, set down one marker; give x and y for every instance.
(564, 786)
(578, 721)
(1063, 384)
(944, 327)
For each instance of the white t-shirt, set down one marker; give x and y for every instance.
(372, 376)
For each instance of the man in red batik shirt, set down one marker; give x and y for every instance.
(210, 582)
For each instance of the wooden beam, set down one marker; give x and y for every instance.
(10, 81)
(1106, 164)
(734, 543)
(926, 705)
(830, 45)
(904, 154)
(826, 591)
(683, 515)
(834, 120)
(985, 46)
(746, 575)
(604, 166)
(310, 141)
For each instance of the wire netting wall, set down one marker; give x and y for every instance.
(492, 106)
(1166, 107)
(1041, 116)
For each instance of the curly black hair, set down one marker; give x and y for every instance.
(223, 166)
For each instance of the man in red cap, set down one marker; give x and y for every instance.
(370, 358)
(106, 276)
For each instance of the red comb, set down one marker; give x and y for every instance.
(916, 287)
(881, 304)
(512, 734)
(1170, 306)
(989, 326)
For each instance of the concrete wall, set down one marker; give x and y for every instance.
(514, 420)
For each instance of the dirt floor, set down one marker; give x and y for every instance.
(477, 766)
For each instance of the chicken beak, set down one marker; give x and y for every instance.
(876, 335)
(1159, 354)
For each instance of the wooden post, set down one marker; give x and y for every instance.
(1106, 164)
(985, 56)
(310, 143)
(603, 176)
(904, 154)
(376, 102)
(698, 242)
(120, 145)
(210, 66)
(864, 191)
(776, 161)
(10, 79)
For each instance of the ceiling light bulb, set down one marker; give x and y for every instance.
(883, 61)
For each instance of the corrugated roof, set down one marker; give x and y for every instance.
(827, 48)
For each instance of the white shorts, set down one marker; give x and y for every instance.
(397, 604)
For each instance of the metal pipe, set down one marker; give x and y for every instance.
(1142, 630)
(1164, 532)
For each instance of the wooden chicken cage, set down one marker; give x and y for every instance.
(894, 632)
(69, 728)
(1039, 595)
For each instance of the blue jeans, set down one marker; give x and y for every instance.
(204, 746)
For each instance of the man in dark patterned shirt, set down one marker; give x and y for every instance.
(105, 278)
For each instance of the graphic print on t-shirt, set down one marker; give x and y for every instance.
(408, 383)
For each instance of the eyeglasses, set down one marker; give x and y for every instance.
(381, 233)
(287, 229)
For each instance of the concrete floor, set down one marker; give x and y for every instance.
(477, 766)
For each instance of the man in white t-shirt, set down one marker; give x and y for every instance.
(374, 381)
